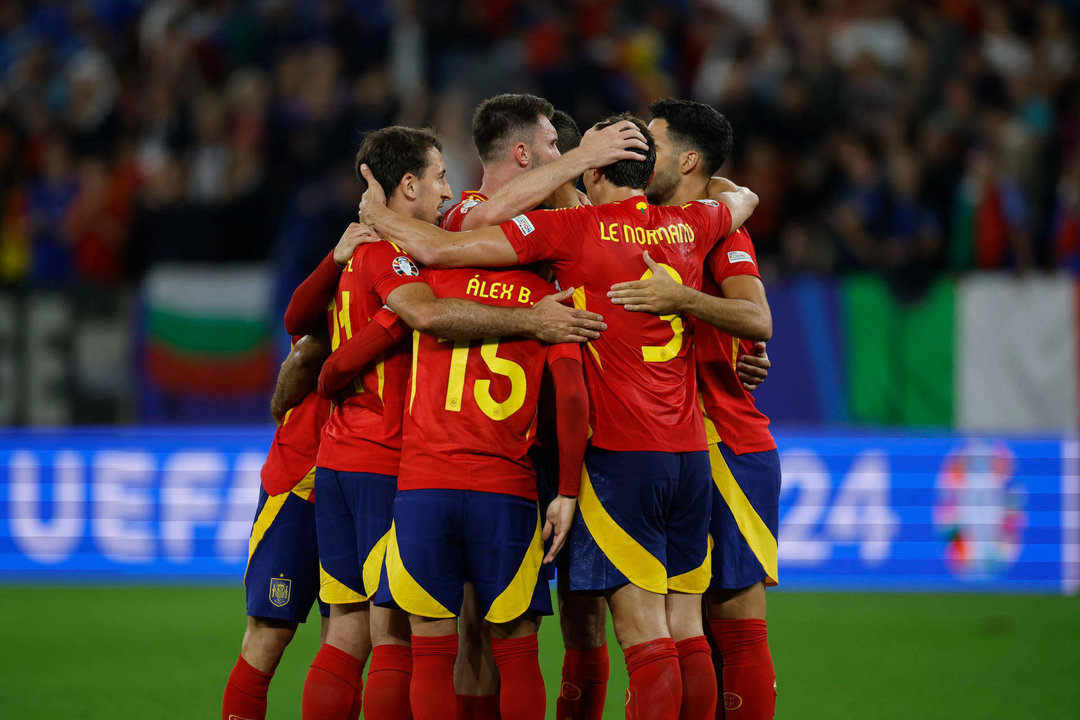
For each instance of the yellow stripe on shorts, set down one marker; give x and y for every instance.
(267, 515)
(753, 528)
(406, 591)
(373, 565)
(334, 592)
(696, 581)
(640, 566)
(516, 598)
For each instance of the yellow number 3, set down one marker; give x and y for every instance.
(670, 350)
(482, 388)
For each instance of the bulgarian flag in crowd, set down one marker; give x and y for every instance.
(207, 329)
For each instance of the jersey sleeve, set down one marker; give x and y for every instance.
(384, 268)
(548, 234)
(711, 221)
(568, 350)
(735, 256)
(455, 216)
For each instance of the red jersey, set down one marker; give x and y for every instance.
(296, 444)
(730, 413)
(452, 218)
(640, 372)
(363, 433)
(471, 412)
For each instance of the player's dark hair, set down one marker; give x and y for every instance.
(393, 152)
(634, 174)
(568, 130)
(504, 118)
(696, 126)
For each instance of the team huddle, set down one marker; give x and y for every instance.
(538, 379)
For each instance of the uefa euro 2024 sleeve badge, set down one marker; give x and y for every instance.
(280, 591)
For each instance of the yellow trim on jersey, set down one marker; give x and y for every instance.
(395, 246)
(267, 515)
(753, 528)
(516, 598)
(579, 303)
(640, 566)
(412, 376)
(335, 592)
(407, 593)
(373, 565)
(734, 352)
(695, 581)
(306, 486)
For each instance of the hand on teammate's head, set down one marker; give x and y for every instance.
(621, 141)
(374, 195)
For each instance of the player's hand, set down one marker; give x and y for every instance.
(753, 369)
(659, 294)
(554, 322)
(353, 236)
(374, 197)
(616, 142)
(560, 515)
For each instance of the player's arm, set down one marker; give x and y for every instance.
(740, 201)
(572, 433)
(298, 374)
(743, 311)
(598, 148)
(383, 332)
(753, 369)
(547, 320)
(309, 300)
(429, 244)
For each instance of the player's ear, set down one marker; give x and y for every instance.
(521, 154)
(408, 186)
(689, 161)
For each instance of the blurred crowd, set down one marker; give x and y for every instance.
(902, 137)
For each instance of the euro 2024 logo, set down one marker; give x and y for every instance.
(980, 510)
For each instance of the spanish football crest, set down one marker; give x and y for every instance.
(280, 591)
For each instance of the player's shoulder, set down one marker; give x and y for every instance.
(368, 254)
(453, 217)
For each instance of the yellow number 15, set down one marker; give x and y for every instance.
(455, 387)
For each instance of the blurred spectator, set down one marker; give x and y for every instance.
(886, 136)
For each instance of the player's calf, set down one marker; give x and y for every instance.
(586, 666)
(746, 675)
(521, 686)
(386, 696)
(696, 670)
(476, 678)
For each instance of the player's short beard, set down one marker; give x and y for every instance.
(662, 186)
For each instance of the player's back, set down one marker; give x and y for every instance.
(363, 433)
(471, 406)
(639, 372)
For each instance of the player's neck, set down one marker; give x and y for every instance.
(607, 193)
(689, 189)
(496, 176)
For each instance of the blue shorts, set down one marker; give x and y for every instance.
(353, 512)
(442, 539)
(282, 576)
(642, 518)
(546, 463)
(745, 515)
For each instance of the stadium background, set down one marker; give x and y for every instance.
(169, 170)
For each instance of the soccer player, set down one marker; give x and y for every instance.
(466, 509)
(639, 536)
(531, 155)
(692, 142)
(358, 460)
(282, 576)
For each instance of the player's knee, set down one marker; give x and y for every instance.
(525, 625)
(739, 604)
(265, 641)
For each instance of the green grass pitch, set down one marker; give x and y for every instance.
(165, 652)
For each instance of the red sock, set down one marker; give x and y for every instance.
(387, 694)
(655, 691)
(749, 681)
(521, 686)
(584, 684)
(245, 693)
(432, 690)
(333, 683)
(479, 707)
(698, 679)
